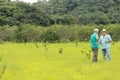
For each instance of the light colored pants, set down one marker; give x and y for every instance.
(106, 52)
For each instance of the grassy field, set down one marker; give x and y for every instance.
(68, 61)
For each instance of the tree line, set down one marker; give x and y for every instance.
(57, 20)
(55, 33)
(67, 12)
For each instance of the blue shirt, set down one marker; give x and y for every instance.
(93, 40)
(103, 40)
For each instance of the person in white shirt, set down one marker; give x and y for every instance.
(105, 40)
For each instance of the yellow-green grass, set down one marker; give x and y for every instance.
(26, 61)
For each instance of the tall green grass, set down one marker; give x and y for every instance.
(25, 61)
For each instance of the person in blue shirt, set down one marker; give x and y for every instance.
(94, 44)
(105, 40)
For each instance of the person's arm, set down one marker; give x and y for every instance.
(97, 37)
(109, 39)
(100, 40)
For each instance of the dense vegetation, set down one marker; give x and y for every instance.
(56, 33)
(51, 12)
(25, 22)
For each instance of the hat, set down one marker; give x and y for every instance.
(96, 30)
(104, 30)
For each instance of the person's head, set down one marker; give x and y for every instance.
(104, 32)
(96, 30)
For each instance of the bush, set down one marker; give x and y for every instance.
(49, 36)
(65, 33)
(56, 33)
(8, 33)
(114, 31)
(84, 33)
(29, 33)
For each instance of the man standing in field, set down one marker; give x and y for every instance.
(105, 40)
(94, 42)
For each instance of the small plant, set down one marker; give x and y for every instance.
(2, 70)
(76, 43)
(45, 46)
(87, 54)
(60, 51)
(82, 51)
(2, 67)
(1, 41)
(36, 45)
(113, 43)
(1, 58)
(90, 51)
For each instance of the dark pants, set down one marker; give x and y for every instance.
(95, 54)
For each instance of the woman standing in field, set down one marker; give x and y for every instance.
(105, 40)
(94, 42)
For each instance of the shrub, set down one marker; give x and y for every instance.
(49, 36)
(29, 33)
(8, 33)
(56, 33)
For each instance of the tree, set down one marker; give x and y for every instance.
(7, 10)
